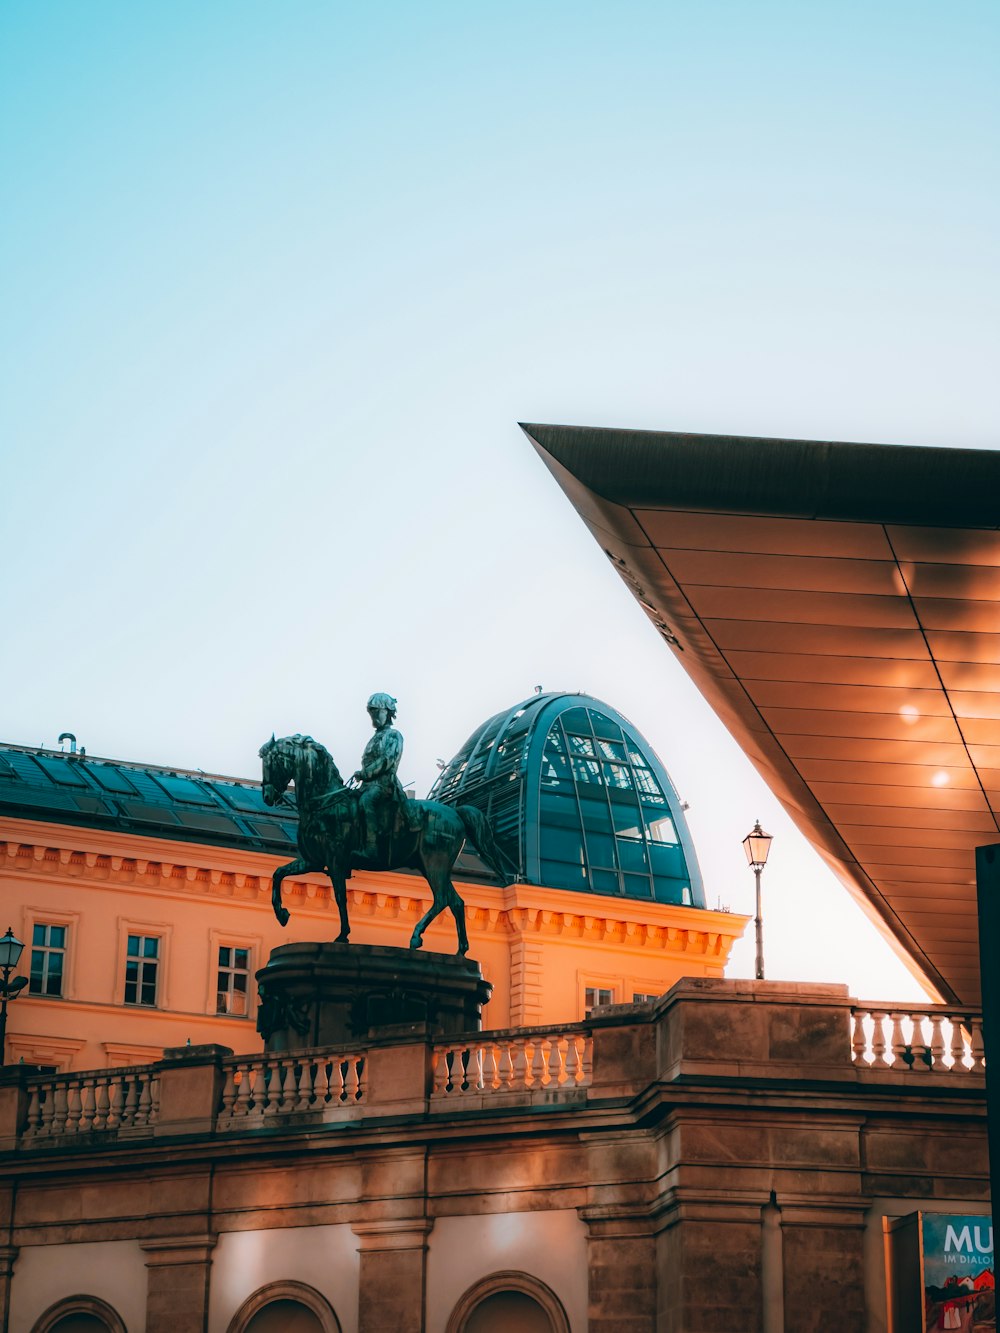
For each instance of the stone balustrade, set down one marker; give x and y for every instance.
(304, 1083)
(519, 1061)
(702, 1033)
(90, 1103)
(939, 1038)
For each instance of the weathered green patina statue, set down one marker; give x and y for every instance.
(371, 825)
(382, 796)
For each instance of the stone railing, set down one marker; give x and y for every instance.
(942, 1039)
(703, 1033)
(306, 1082)
(527, 1060)
(90, 1103)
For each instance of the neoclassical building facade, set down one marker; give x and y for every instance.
(632, 1144)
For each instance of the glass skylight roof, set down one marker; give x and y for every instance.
(577, 800)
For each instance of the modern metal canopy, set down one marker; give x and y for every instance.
(839, 607)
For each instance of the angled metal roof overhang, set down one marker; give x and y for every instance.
(838, 604)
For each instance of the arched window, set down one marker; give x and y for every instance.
(506, 1301)
(80, 1314)
(285, 1307)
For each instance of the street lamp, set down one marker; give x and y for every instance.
(10, 953)
(757, 844)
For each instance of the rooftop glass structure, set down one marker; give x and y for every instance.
(577, 800)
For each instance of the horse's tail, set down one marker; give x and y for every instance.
(478, 828)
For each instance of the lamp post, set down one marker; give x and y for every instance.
(757, 844)
(10, 953)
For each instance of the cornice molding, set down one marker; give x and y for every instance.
(520, 910)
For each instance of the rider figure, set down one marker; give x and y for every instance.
(381, 793)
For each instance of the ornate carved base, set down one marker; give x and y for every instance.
(326, 994)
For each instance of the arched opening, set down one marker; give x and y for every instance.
(505, 1311)
(284, 1316)
(285, 1307)
(80, 1314)
(509, 1302)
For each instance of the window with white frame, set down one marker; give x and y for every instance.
(644, 997)
(233, 989)
(595, 995)
(48, 958)
(142, 964)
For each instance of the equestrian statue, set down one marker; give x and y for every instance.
(369, 823)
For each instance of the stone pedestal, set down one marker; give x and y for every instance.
(329, 994)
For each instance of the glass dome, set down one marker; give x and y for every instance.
(577, 800)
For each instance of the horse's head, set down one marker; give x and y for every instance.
(301, 759)
(279, 769)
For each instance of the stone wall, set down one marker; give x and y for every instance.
(715, 1163)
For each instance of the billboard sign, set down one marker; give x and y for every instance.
(958, 1273)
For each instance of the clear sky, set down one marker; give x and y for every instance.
(278, 281)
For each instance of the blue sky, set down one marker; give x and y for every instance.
(279, 281)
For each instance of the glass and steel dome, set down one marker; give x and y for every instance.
(577, 800)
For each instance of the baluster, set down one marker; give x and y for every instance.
(145, 1100)
(937, 1042)
(252, 1076)
(493, 1081)
(48, 1099)
(573, 1073)
(878, 1041)
(131, 1097)
(352, 1083)
(325, 1090)
(101, 1101)
(474, 1069)
(957, 1045)
(341, 1090)
(451, 1073)
(34, 1120)
(288, 1092)
(154, 1098)
(307, 1073)
(553, 1072)
(976, 1048)
(898, 1043)
(267, 1080)
(72, 1123)
(919, 1045)
(252, 1098)
(116, 1101)
(338, 1082)
(228, 1094)
(859, 1043)
(88, 1104)
(588, 1059)
(539, 1065)
(508, 1067)
(441, 1054)
(241, 1080)
(520, 1062)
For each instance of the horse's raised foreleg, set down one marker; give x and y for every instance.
(292, 868)
(435, 910)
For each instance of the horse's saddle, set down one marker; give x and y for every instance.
(406, 818)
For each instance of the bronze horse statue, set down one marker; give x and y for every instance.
(429, 837)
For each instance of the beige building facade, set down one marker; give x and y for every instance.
(203, 915)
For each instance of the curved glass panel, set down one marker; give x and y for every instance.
(603, 825)
(577, 800)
